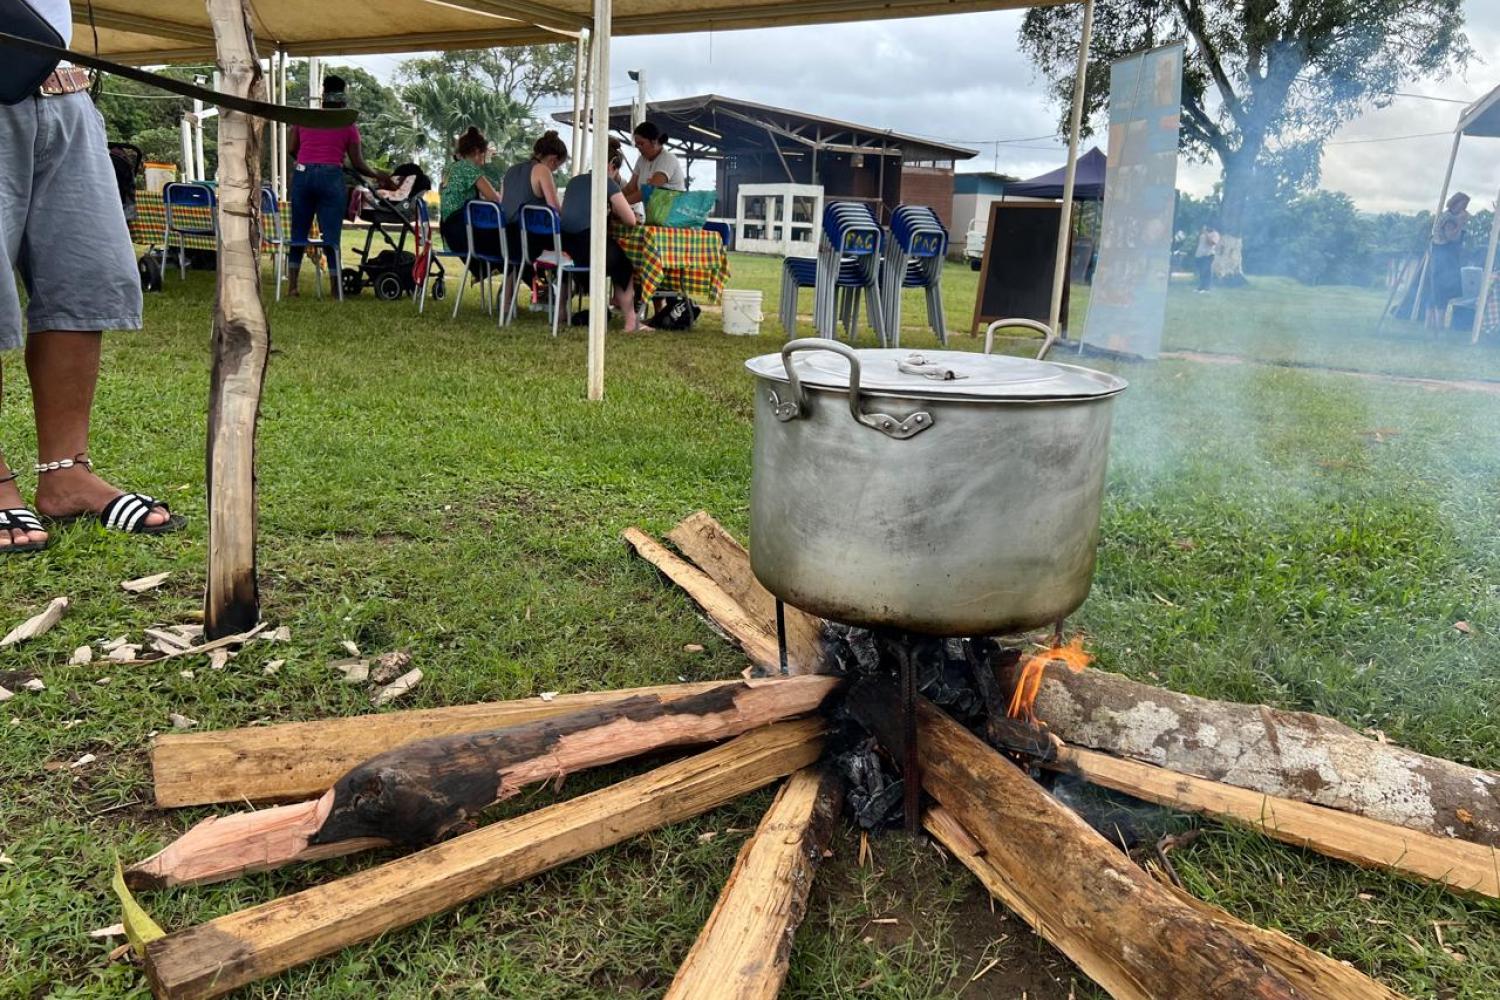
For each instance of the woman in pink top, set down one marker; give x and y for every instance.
(318, 181)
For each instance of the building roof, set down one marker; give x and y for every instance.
(179, 30)
(1482, 118)
(710, 124)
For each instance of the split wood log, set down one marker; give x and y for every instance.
(1075, 888)
(239, 948)
(297, 760)
(1292, 755)
(241, 338)
(1311, 973)
(414, 794)
(715, 551)
(745, 948)
(1457, 864)
(743, 629)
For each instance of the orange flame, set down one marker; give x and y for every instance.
(1034, 665)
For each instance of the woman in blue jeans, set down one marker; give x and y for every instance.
(318, 181)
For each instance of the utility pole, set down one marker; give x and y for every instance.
(638, 108)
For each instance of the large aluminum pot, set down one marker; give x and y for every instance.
(940, 492)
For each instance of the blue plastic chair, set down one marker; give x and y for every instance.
(485, 216)
(724, 229)
(848, 270)
(545, 222)
(914, 258)
(177, 196)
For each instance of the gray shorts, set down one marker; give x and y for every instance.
(61, 222)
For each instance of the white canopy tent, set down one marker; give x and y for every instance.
(180, 31)
(1480, 119)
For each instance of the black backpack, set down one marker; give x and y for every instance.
(675, 313)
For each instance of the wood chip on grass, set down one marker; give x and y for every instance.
(145, 583)
(38, 624)
(396, 688)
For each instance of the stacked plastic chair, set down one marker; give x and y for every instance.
(914, 259)
(848, 271)
(797, 273)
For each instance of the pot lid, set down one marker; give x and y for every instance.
(942, 374)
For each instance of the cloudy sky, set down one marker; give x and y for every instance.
(962, 79)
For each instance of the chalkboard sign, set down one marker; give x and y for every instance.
(1020, 259)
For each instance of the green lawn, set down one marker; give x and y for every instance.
(444, 487)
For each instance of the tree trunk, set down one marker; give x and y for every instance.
(1234, 207)
(416, 793)
(1294, 755)
(241, 339)
(1074, 887)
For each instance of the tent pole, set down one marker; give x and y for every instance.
(281, 129)
(1064, 225)
(585, 155)
(1485, 279)
(1427, 254)
(599, 201)
(579, 58)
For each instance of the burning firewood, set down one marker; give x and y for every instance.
(1292, 755)
(231, 951)
(1075, 888)
(414, 794)
(744, 949)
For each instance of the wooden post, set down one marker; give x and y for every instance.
(599, 209)
(1064, 225)
(241, 339)
(1484, 279)
(1416, 306)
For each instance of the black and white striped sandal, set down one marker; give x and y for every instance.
(126, 512)
(19, 519)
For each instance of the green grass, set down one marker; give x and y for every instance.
(444, 487)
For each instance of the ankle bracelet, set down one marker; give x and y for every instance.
(65, 463)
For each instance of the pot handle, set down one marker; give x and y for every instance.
(796, 405)
(1029, 324)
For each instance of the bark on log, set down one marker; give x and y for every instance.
(1075, 888)
(745, 948)
(414, 794)
(1457, 864)
(298, 760)
(715, 551)
(1293, 755)
(743, 629)
(241, 339)
(223, 954)
(1311, 973)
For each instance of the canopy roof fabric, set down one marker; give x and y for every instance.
(1482, 118)
(161, 31)
(710, 123)
(1087, 186)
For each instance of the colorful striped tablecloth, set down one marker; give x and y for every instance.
(691, 261)
(149, 226)
(1491, 325)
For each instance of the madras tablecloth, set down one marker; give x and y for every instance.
(1491, 325)
(691, 261)
(149, 226)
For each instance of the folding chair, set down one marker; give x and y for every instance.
(848, 270)
(180, 195)
(273, 234)
(545, 221)
(724, 229)
(428, 267)
(914, 258)
(485, 216)
(797, 273)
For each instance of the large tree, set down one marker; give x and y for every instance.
(1266, 82)
(495, 90)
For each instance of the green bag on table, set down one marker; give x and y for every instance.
(679, 209)
(659, 205)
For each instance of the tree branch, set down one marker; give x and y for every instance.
(1192, 16)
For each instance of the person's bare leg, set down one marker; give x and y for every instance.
(625, 300)
(64, 369)
(10, 498)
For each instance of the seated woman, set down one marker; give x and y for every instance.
(469, 178)
(531, 182)
(575, 232)
(657, 165)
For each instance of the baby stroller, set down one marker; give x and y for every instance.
(128, 161)
(392, 271)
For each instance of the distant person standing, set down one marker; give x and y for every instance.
(1203, 257)
(1444, 262)
(318, 181)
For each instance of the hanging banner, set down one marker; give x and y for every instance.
(1128, 302)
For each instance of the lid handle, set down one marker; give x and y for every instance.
(796, 406)
(1029, 324)
(917, 364)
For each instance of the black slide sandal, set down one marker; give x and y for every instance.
(21, 519)
(126, 512)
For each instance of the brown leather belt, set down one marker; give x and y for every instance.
(65, 80)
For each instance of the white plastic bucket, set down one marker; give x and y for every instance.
(742, 315)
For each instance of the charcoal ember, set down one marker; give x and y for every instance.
(855, 650)
(1117, 817)
(871, 789)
